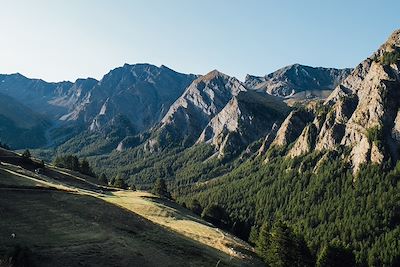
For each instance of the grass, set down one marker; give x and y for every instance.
(182, 221)
(77, 224)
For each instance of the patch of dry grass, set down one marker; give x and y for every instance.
(180, 220)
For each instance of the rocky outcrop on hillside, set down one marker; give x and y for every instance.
(362, 113)
(292, 127)
(246, 118)
(297, 78)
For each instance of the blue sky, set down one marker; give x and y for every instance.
(64, 40)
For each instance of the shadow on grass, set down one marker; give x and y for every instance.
(64, 229)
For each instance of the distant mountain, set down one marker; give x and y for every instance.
(35, 93)
(141, 92)
(20, 126)
(297, 78)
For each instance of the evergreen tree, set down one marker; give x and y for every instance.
(160, 188)
(85, 168)
(281, 247)
(263, 242)
(216, 215)
(103, 179)
(112, 181)
(336, 255)
(120, 182)
(194, 205)
(74, 163)
(26, 154)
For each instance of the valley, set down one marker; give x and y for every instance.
(299, 167)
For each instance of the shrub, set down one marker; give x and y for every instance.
(26, 154)
(375, 135)
(389, 58)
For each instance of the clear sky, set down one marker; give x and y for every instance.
(64, 40)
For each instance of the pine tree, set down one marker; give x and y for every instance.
(263, 242)
(281, 247)
(160, 188)
(103, 179)
(120, 182)
(215, 214)
(85, 168)
(194, 205)
(26, 154)
(335, 255)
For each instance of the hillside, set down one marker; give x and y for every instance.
(91, 225)
(20, 126)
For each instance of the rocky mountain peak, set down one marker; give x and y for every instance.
(361, 113)
(296, 78)
(201, 101)
(247, 117)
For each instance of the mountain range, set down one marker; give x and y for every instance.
(147, 97)
(318, 147)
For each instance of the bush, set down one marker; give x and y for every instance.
(375, 135)
(389, 58)
(26, 154)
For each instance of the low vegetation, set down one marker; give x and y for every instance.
(390, 57)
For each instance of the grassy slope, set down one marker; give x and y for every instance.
(66, 222)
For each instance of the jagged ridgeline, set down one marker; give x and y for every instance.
(315, 147)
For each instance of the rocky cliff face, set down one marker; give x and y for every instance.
(292, 127)
(246, 118)
(362, 113)
(202, 100)
(297, 78)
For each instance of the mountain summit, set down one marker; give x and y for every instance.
(297, 78)
(362, 113)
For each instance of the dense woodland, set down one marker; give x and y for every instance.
(317, 196)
